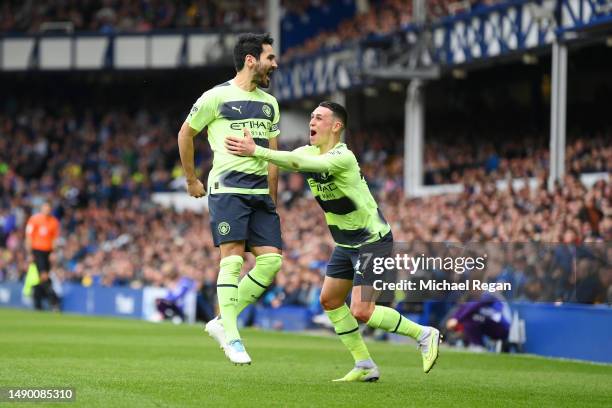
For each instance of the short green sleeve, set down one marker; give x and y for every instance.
(340, 160)
(203, 111)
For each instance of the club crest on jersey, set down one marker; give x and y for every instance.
(266, 110)
(223, 228)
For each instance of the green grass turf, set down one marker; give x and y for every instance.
(115, 363)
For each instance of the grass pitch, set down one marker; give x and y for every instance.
(117, 363)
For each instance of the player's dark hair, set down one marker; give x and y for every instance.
(249, 44)
(338, 110)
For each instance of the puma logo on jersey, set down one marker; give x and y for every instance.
(239, 109)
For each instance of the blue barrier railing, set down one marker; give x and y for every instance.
(569, 331)
(99, 300)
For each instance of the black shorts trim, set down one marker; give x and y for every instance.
(227, 285)
(251, 218)
(343, 260)
(41, 260)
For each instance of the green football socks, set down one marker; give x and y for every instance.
(347, 328)
(391, 321)
(254, 283)
(227, 292)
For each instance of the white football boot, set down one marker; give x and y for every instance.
(215, 329)
(234, 350)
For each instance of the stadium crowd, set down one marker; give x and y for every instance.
(457, 159)
(111, 16)
(372, 20)
(99, 171)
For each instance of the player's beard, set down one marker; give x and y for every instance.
(262, 77)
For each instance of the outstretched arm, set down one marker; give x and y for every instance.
(294, 160)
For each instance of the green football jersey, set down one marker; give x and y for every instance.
(226, 110)
(335, 180)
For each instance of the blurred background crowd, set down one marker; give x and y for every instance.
(110, 16)
(146, 15)
(99, 171)
(460, 157)
(344, 22)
